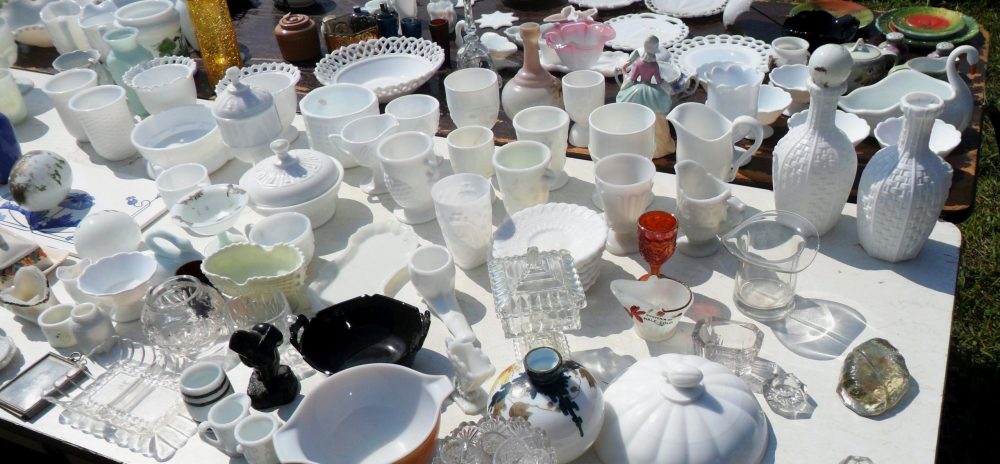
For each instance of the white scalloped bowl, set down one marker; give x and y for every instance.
(556, 226)
(391, 66)
(944, 136)
(690, 54)
(856, 128)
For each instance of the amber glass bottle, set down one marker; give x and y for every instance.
(214, 29)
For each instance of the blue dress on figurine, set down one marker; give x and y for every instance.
(643, 83)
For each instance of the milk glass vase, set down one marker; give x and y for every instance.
(216, 38)
(815, 163)
(904, 186)
(125, 53)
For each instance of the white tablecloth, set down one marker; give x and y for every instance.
(846, 297)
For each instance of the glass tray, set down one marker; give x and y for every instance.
(130, 397)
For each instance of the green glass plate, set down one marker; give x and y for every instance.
(971, 30)
(927, 23)
(837, 8)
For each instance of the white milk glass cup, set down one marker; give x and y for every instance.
(177, 181)
(326, 110)
(522, 170)
(410, 169)
(550, 126)
(255, 438)
(57, 326)
(473, 96)
(288, 227)
(64, 86)
(583, 92)
(790, 50)
(219, 429)
(625, 185)
(104, 115)
(464, 209)
(621, 128)
(416, 112)
(471, 150)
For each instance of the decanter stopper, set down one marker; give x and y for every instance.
(830, 66)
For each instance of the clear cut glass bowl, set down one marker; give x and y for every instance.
(184, 317)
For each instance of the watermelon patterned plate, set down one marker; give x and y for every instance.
(926, 22)
(884, 25)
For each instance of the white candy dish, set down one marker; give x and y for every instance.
(794, 79)
(856, 128)
(944, 136)
(210, 210)
(771, 102)
(390, 67)
(278, 79)
(119, 281)
(632, 30)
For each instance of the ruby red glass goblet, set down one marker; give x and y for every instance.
(657, 232)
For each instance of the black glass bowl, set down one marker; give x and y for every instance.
(821, 28)
(363, 330)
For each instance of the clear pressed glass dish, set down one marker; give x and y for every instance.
(537, 292)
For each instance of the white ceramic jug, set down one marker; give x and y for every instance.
(707, 137)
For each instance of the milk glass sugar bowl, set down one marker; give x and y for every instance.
(279, 79)
(681, 409)
(247, 117)
(305, 181)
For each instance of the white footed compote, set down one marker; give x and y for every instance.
(621, 128)
(583, 92)
(473, 96)
(771, 103)
(705, 207)
(708, 137)
(523, 173)
(432, 272)
(410, 168)
(211, 211)
(733, 89)
(794, 79)
(550, 126)
(904, 186)
(655, 305)
(464, 209)
(472, 368)
(360, 138)
(625, 185)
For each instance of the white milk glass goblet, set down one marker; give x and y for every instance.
(625, 186)
(583, 92)
(410, 168)
(473, 96)
(464, 211)
(416, 112)
(523, 173)
(550, 126)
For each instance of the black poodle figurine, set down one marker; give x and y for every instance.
(272, 383)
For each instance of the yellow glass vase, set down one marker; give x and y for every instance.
(214, 29)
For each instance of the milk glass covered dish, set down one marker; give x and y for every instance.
(676, 409)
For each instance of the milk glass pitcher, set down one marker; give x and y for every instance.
(704, 135)
(773, 247)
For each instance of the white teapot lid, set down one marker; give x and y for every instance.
(290, 177)
(240, 101)
(678, 409)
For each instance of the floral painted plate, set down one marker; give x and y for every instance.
(927, 23)
(837, 8)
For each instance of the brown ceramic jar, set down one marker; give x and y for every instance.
(298, 37)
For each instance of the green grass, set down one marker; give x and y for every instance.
(971, 402)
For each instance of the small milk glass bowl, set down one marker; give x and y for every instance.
(211, 210)
(176, 182)
(163, 83)
(119, 281)
(184, 134)
(579, 44)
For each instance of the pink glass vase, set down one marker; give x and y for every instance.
(579, 44)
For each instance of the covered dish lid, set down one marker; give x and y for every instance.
(290, 177)
(675, 409)
(240, 101)
(863, 52)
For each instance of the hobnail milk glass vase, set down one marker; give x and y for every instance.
(815, 163)
(904, 187)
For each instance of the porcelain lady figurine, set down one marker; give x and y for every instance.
(91, 327)
(532, 85)
(904, 186)
(815, 163)
(644, 85)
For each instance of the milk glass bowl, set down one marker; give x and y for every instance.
(163, 83)
(185, 134)
(184, 316)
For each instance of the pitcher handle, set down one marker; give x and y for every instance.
(757, 131)
(735, 212)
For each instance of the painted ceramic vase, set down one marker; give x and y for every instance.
(904, 186)
(40, 180)
(532, 85)
(815, 163)
(560, 397)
